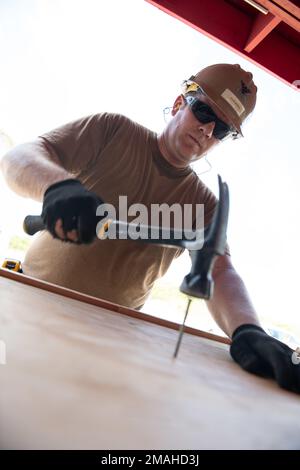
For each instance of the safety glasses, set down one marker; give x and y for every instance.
(205, 114)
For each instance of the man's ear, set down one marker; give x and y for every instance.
(178, 103)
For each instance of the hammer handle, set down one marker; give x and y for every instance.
(33, 224)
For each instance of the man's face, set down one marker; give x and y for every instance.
(187, 139)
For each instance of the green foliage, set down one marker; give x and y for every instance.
(19, 243)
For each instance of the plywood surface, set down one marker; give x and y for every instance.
(82, 376)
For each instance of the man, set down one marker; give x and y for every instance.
(77, 166)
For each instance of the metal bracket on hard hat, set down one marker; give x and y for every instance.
(190, 86)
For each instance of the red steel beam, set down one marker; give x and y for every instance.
(232, 27)
(262, 26)
(289, 6)
(285, 10)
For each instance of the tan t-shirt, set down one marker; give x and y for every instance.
(112, 156)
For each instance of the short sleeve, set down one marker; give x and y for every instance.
(79, 143)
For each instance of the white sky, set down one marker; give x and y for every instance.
(63, 59)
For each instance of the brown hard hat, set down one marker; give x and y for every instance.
(231, 89)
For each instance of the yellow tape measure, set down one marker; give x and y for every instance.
(12, 265)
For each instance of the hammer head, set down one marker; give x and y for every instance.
(199, 282)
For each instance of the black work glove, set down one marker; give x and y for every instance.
(258, 353)
(70, 201)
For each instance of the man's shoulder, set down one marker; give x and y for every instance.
(119, 120)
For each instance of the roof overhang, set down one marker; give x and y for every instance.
(267, 32)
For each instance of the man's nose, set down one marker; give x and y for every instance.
(207, 128)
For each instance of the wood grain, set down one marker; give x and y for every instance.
(88, 299)
(81, 376)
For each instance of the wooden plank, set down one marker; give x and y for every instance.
(30, 281)
(81, 376)
(262, 26)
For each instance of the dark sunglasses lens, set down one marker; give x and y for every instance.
(221, 130)
(205, 114)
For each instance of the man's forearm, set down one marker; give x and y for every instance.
(29, 169)
(230, 304)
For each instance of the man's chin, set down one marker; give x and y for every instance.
(184, 161)
(187, 155)
(192, 156)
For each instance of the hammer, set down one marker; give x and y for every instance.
(204, 246)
